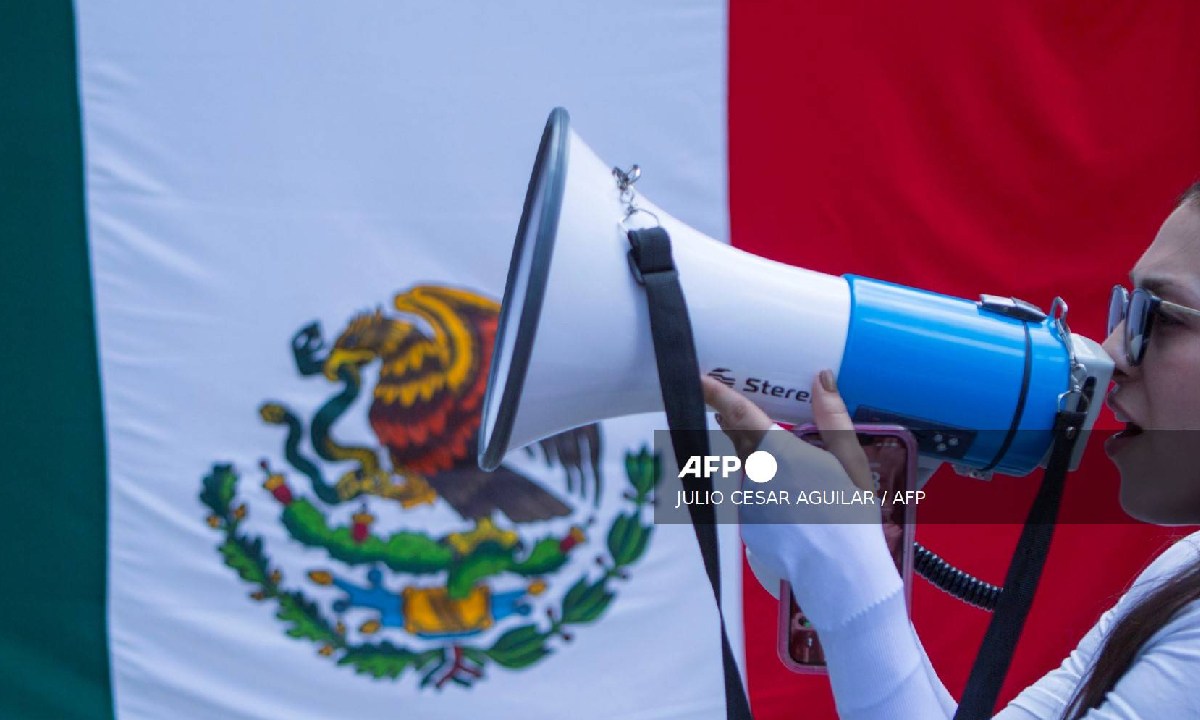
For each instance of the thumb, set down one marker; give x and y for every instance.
(837, 430)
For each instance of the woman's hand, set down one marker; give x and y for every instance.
(746, 424)
(833, 553)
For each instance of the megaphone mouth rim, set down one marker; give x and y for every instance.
(547, 180)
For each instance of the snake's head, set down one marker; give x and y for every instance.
(307, 348)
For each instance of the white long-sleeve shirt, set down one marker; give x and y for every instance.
(844, 578)
(1162, 682)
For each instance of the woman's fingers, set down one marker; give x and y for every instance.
(745, 424)
(740, 419)
(837, 430)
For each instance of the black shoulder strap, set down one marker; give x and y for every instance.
(679, 377)
(996, 651)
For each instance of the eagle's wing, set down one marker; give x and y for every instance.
(427, 412)
(579, 451)
(430, 393)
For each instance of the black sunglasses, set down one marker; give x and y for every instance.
(1139, 309)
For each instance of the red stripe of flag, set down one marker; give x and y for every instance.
(1026, 149)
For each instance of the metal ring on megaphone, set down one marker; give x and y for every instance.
(632, 210)
(1072, 398)
(1058, 315)
(625, 180)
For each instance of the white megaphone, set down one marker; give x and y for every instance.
(977, 382)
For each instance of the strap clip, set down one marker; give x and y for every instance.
(650, 254)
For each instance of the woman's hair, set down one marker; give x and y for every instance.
(1146, 617)
(1128, 636)
(1192, 194)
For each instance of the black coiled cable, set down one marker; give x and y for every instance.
(953, 581)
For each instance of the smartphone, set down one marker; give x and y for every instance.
(892, 453)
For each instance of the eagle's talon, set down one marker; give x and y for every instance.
(411, 492)
(351, 485)
(414, 491)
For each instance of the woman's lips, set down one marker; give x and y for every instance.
(1116, 443)
(1111, 401)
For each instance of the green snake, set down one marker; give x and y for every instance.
(276, 414)
(322, 425)
(326, 447)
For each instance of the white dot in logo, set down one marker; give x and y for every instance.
(761, 466)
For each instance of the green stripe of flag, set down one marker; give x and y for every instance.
(53, 640)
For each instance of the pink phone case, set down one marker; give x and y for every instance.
(892, 451)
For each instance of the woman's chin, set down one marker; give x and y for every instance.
(1156, 491)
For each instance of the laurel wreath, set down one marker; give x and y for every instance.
(586, 600)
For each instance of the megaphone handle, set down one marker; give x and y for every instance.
(679, 380)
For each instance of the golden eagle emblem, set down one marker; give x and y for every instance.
(428, 358)
(425, 409)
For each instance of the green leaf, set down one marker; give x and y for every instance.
(590, 610)
(377, 666)
(643, 469)
(219, 488)
(518, 639)
(576, 592)
(305, 619)
(517, 660)
(586, 602)
(628, 539)
(386, 660)
(245, 557)
(519, 647)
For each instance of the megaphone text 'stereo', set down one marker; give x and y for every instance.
(574, 343)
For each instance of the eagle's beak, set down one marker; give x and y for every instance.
(340, 356)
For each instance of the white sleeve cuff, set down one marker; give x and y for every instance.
(877, 667)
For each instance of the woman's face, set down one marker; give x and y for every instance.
(1160, 466)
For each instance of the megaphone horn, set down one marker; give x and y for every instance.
(574, 344)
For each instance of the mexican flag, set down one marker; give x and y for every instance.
(252, 255)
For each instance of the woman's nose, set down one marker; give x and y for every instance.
(1114, 345)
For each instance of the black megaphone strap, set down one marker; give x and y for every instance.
(679, 378)
(1000, 641)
